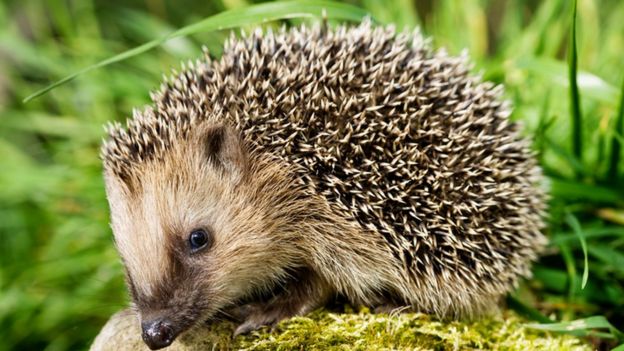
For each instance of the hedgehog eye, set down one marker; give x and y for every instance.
(198, 240)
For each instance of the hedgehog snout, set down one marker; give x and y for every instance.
(158, 333)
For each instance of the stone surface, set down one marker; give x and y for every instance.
(350, 331)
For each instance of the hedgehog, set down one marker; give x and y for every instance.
(315, 163)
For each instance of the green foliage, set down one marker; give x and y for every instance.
(60, 277)
(226, 20)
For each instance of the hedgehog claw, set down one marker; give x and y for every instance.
(257, 316)
(245, 328)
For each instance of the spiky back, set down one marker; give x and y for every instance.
(394, 135)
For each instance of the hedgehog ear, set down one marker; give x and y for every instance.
(225, 148)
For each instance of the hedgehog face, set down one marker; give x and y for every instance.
(192, 239)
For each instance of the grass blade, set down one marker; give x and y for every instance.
(575, 191)
(591, 85)
(575, 99)
(609, 256)
(619, 348)
(588, 233)
(616, 143)
(401, 12)
(568, 259)
(574, 162)
(586, 325)
(612, 215)
(261, 13)
(525, 310)
(576, 226)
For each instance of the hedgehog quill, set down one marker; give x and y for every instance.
(312, 163)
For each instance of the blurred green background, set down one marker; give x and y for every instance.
(60, 278)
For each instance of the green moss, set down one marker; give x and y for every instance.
(324, 330)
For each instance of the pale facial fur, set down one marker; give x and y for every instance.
(193, 187)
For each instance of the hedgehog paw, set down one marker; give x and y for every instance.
(258, 315)
(301, 296)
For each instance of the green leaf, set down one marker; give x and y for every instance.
(526, 310)
(616, 142)
(531, 39)
(589, 233)
(608, 255)
(618, 348)
(576, 226)
(554, 71)
(551, 279)
(401, 13)
(576, 190)
(62, 126)
(575, 98)
(584, 324)
(612, 215)
(261, 13)
(568, 259)
(572, 160)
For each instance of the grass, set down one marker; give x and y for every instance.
(60, 278)
(575, 98)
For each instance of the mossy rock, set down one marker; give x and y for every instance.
(350, 331)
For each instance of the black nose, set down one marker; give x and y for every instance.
(158, 333)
